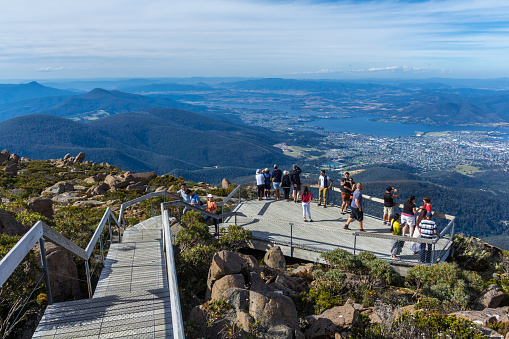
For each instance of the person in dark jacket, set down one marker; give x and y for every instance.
(286, 184)
(295, 179)
(276, 181)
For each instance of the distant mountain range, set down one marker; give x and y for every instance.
(165, 140)
(12, 93)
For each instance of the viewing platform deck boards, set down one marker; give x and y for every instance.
(131, 299)
(269, 221)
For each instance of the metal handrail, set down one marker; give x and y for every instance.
(176, 312)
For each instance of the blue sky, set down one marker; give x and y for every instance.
(314, 39)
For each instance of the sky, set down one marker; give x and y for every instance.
(253, 38)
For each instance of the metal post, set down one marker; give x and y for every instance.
(433, 254)
(180, 216)
(151, 208)
(111, 232)
(101, 247)
(240, 197)
(45, 270)
(291, 240)
(89, 282)
(354, 242)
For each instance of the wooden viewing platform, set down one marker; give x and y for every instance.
(131, 299)
(269, 221)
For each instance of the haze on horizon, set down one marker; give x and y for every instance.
(247, 38)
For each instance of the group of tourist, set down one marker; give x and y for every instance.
(265, 181)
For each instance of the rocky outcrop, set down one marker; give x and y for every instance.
(491, 297)
(41, 205)
(14, 158)
(225, 183)
(11, 168)
(9, 225)
(4, 156)
(144, 178)
(59, 188)
(225, 283)
(79, 158)
(67, 198)
(97, 190)
(275, 259)
(332, 321)
(485, 316)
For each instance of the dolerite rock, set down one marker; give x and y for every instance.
(59, 188)
(145, 178)
(249, 261)
(484, 317)
(118, 181)
(62, 272)
(333, 321)
(238, 297)
(14, 158)
(79, 158)
(273, 310)
(290, 283)
(97, 190)
(4, 156)
(41, 205)
(88, 203)
(275, 259)
(9, 225)
(490, 297)
(138, 186)
(225, 283)
(223, 263)
(66, 157)
(225, 183)
(11, 168)
(160, 189)
(256, 283)
(305, 271)
(67, 198)
(24, 160)
(92, 180)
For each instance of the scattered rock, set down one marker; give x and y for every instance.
(9, 225)
(160, 189)
(59, 188)
(92, 180)
(67, 198)
(98, 189)
(225, 283)
(225, 183)
(88, 203)
(490, 297)
(275, 259)
(41, 205)
(138, 186)
(145, 178)
(11, 168)
(14, 158)
(485, 316)
(118, 181)
(305, 271)
(24, 160)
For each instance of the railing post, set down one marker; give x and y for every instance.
(101, 248)
(111, 232)
(433, 254)
(354, 242)
(151, 208)
(45, 270)
(291, 240)
(240, 196)
(89, 282)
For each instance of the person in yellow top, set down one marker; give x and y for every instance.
(212, 208)
(396, 245)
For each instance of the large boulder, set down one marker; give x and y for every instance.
(119, 181)
(9, 225)
(485, 316)
(275, 259)
(41, 205)
(14, 158)
(59, 188)
(4, 156)
(137, 186)
(491, 297)
(224, 263)
(63, 273)
(79, 158)
(67, 198)
(145, 178)
(225, 183)
(11, 168)
(225, 283)
(92, 180)
(272, 310)
(305, 271)
(97, 190)
(334, 320)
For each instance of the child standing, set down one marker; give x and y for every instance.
(396, 245)
(306, 200)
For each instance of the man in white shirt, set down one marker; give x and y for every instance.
(324, 183)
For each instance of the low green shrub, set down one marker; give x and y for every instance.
(234, 238)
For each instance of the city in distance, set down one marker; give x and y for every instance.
(444, 138)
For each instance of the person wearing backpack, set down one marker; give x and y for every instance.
(396, 245)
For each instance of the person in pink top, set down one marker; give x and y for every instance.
(306, 200)
(427, 204)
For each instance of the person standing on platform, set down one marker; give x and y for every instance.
(276, 181)
(266, 177)
(396, 245)
(346, 191)
(260, 183)
(286, 184)
(212, 208)
(324, 184)
(357, 207)
(408, 215)
(427, 228)
(306, 201)
(296, 184)
(389, 204)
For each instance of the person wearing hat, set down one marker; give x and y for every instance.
(389, 204)
(212, 208)
(427, 229)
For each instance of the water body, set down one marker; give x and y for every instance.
(364, 124)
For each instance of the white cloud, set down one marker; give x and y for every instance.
(51, 69)
(253, 38)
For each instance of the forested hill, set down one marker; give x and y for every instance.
(32, 90)
(164, 140)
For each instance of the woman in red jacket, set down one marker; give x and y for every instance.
(306, 200)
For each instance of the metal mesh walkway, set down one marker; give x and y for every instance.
(131, 299)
